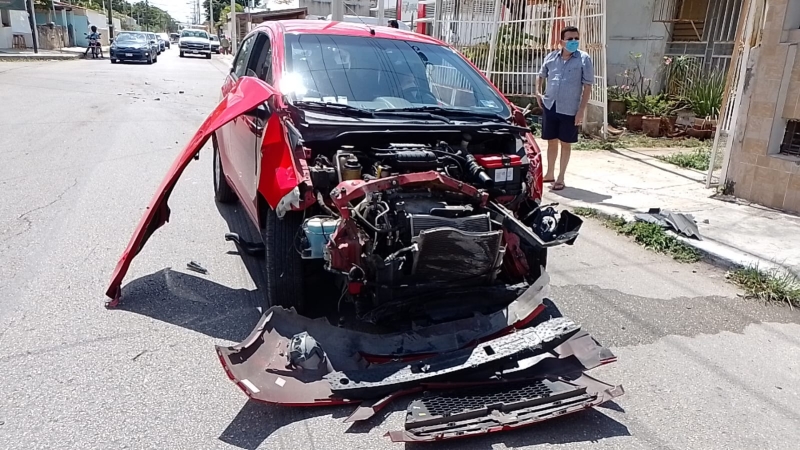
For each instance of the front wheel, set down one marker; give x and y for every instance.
(284, 266)
(222, 190)
(149, 60)
(113, 61)
(208, 56)
(181, 54)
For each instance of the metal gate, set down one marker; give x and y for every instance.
(509, 39)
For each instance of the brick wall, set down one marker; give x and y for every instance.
(772, 96)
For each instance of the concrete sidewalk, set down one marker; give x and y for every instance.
(625, 182)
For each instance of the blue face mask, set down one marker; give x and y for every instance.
(572, 46)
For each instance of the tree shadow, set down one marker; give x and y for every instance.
(574, 193)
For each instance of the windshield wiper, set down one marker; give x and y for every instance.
(330, 107)
(445, 111)
(360, 112)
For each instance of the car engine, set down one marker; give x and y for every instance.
(403, 224)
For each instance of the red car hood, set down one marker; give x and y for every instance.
(247, 94)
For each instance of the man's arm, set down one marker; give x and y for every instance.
(587, 79)
(539, 80)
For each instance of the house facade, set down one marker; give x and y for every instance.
(763, 164)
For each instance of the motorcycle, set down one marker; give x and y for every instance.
(94, 47)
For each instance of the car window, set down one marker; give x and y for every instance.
(262, 64)
(240, 64)
(194, 33)
(376, 73)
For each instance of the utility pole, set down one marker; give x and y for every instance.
(234, 38)
(381, 11)
(110, 20)
(337, 10)
(34, 28)
(211, 17)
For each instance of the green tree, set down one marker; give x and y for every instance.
(220, 6)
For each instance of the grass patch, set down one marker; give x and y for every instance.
(638, 140)
(648, 235)
(697, 159)
(771, 286)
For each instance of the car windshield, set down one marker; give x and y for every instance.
(372, 73)
(195, 33)
(130, 37)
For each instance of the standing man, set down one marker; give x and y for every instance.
(569, 74)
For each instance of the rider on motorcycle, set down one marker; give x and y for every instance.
(94, 39)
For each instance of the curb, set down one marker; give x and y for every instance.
(60, 57)
(713, 253)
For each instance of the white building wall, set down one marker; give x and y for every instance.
(631, 29)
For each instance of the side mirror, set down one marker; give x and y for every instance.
(152, 42)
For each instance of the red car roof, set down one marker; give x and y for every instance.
(306, 26)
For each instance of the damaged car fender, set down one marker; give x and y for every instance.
(248, 93)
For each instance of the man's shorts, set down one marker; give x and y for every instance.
(558, 126)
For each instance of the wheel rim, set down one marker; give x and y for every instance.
(217, 171)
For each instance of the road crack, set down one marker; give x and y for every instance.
(25, 216)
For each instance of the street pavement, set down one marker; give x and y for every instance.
(84, 146)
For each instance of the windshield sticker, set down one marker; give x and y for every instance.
(488, 103)
(340, 99)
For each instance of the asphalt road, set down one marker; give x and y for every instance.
(84, 145)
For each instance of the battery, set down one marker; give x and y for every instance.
(506, 170)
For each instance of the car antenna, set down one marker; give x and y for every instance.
(371, 30)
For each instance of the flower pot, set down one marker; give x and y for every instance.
(651, 125)
(617, 107)
(634, 122)
(698, 133)
(703, 124)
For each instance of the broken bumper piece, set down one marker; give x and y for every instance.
(492, 382)
(498, 407)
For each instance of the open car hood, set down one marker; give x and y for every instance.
(247, 94)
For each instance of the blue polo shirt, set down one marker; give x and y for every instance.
(565, 80)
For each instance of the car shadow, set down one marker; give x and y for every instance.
(257, 421)
(194, 303)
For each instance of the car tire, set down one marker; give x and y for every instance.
(113, 61)
(222, 190)
(208, 56)
(181, 55)
(283, 264)
(149, 60)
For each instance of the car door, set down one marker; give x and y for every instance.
(231, 144)
(250, 130)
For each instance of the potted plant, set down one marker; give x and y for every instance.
(656, 107)
(704, 95)
(639, 89)
(616, 99)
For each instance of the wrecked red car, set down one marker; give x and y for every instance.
(398, 194)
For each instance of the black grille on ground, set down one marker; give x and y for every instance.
(456, 402)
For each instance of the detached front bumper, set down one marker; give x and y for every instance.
(494, 382)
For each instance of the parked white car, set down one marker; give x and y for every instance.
(195, 42)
